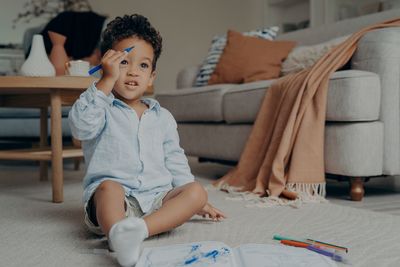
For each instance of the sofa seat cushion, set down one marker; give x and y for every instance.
(353, 95)
(26, 113)
(200, 104)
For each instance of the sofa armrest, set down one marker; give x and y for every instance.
(378, 51)
(187, 76)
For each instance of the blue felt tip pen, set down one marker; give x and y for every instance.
(98, 67)
(333, 254)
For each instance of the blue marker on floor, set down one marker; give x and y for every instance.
(98, 67)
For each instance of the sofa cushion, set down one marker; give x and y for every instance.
(11, 113)
(192, 104)
(217, 47)
(303, 57)
(353, 95)
(247, 59)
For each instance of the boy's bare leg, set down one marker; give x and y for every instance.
(179, 205)
(110, 204)
(125, 235)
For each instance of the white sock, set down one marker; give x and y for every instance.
(126, 237)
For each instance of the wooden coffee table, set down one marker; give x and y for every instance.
(42, 93)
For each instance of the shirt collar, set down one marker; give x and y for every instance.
(150, 102)
(153, 104)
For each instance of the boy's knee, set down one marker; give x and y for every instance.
(108, 185)
(198, 193)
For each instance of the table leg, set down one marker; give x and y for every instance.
(77, 161)
(56, 147)
(43, 143)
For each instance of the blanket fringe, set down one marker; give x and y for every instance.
(306, 193)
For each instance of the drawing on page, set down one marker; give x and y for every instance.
(194, 255)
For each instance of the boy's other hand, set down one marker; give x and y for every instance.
(212, 213)
(110, 65)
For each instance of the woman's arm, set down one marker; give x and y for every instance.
(58, 55)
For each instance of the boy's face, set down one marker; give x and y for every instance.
(136, 72)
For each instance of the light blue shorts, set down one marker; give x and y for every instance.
(132, 209)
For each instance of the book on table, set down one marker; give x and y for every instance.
(218, 254)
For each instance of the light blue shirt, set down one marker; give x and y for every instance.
(143, 155)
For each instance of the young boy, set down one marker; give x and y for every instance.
(138, 182)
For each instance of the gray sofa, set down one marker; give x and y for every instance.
(362, 137)
(20, 123)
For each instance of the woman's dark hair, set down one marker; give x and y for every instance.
(129, 26)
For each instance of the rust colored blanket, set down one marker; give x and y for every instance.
(284, 154)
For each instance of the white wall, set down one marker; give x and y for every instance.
(291, 13)
(187, 26)
(8, 12)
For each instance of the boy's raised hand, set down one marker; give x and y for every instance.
(110, 65)
(211, 212)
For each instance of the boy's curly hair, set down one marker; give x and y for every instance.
(129, 26)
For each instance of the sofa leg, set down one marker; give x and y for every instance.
(356, 188)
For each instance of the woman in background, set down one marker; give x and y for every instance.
(73, 35)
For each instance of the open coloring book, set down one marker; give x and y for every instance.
(217, 254)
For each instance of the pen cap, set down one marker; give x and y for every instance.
(341, 256)
(332, 250)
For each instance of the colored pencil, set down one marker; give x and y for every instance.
(316, 242)
(279, 237)
(295, 243)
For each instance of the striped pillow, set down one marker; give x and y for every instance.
(217, 47)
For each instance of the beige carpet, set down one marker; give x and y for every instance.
(36, 232)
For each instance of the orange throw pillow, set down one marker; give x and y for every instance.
(247, 59)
